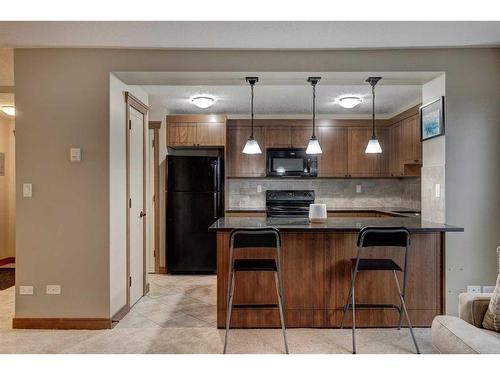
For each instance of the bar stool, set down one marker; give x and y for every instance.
(373, 237)
(255, 237)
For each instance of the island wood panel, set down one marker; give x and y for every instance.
(424, 283)
(317, 273)
(239, 164)
(333, 161)
(304, 296)
(211, 134)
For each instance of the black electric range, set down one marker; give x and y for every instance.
(288, 203)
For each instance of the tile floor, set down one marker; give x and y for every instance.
(178, 316)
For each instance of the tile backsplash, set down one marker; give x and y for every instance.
(335, 193)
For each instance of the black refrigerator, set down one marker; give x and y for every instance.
(195, 199)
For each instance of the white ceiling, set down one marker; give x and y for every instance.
(245, 35)
(287, 100)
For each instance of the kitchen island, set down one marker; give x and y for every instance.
(317, 270)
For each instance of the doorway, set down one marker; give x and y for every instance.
(136, 193)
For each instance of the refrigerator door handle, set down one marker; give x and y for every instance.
(216, 216)
(215, 173)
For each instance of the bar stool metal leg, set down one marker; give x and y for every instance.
(279, 291)
(229, 306)
(346, 306)
(353, 321)
(401, 297)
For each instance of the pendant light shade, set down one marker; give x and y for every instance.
(252, 146)
(373, 146)
(313, 147)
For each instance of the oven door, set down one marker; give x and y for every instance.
(290, 162)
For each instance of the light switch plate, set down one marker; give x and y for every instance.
(26, 290)
(27, 190)
(473, 288)
(358, 188)
(75, 154)
(53, 289)
(259, 188)
(438, 190)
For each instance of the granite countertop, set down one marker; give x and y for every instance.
(414, 224)
(397, 211)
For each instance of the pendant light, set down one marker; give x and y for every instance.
(373, 146)
(252, 147)
(313, 147)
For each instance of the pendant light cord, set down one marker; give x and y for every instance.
(251, 86)
(373, 111)
(314, 107)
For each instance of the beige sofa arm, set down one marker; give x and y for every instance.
(473, 306)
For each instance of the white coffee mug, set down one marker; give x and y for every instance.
(317, 213)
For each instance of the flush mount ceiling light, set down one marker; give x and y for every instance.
(252, 146)
(313, 147)
(349, 101)
(373, 146)
(9, 110)
(203, 102)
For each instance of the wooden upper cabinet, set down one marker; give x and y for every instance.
(181, 134)
(196, 130)
(239, 164)
(361, 164)
(300, 136)
(277, 137)
(333, 161)
(412, 147)
(210, 134)
(395, 161)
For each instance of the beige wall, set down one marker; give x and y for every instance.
(63, 99)
(7, 189)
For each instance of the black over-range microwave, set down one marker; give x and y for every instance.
(290, 162)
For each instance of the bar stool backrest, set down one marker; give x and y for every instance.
(384, 236)
(255, 237)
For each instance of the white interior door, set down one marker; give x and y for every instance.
(136, 173)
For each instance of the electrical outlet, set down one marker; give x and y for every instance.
(259, 188)
(473, 288)
(488, 288)
(438, 190)
(26, 290)
(53, 289)
(358, 188)
(27, 190)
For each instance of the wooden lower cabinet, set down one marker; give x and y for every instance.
(316, 275)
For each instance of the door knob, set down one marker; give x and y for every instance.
(142, 214)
